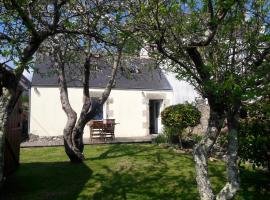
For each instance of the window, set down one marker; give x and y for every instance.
(99, 115)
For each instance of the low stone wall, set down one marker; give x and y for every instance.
(35, 140)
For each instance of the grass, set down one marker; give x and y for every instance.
(112, 172)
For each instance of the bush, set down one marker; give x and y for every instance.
(254, 142)
(178, 117)
(254, 135)
(161, 138)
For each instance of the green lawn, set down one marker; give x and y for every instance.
(110, 172)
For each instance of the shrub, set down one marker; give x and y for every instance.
(254, 135)
(254, 143)
(161, 138)
(178, 117)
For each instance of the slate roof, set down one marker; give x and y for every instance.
(134, 73)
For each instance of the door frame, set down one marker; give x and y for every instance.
(154, 107)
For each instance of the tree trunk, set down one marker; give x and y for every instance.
(73, 132)
(77, 133)
(233, 184)
(74, 154)
(180, 140)
(5, 101)
(201, 153)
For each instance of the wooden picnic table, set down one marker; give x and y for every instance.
(102, 130)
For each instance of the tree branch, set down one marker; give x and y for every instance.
(27, 54)
(56, 14)
(108, 88)
(195, 56)
(262, 56)
(161, 49)
(6, 37)
(210, 9)
(86, 96)
(27, 20)
(213, 24)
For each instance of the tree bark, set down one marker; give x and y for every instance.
(201, 152)
(77, 133)
(88, 111)
(233, 184)
(73, 132)
(72, 152)
(180, 140)
(5, 101)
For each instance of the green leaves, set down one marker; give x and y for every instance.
(254, 134)
(255, 142)
(5, 52)
(180, 116)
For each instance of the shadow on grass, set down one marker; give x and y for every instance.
(156, 182)
(146, 172)
(46, 180)
(254, 185)
(121, 150)
(120, 172)
(152, 183)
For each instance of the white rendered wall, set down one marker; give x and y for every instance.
(182, 90)
(129, 107)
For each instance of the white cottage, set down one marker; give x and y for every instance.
(135, 102)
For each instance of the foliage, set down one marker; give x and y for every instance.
(25, 99)
(254, 135)
(255, 143)
(200, 42)
(196, 138)
(178, 117)
(161, 138)
(220, 48)
(132, 47)
(173, 134)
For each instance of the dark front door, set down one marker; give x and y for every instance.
(154, 110)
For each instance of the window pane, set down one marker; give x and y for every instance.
(99, 115)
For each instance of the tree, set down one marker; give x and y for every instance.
(70, 53)
(254, 129)
(67, 59)
(218, 47)
(24, 25)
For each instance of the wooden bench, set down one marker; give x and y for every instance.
(102, 129)
(108, 129)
